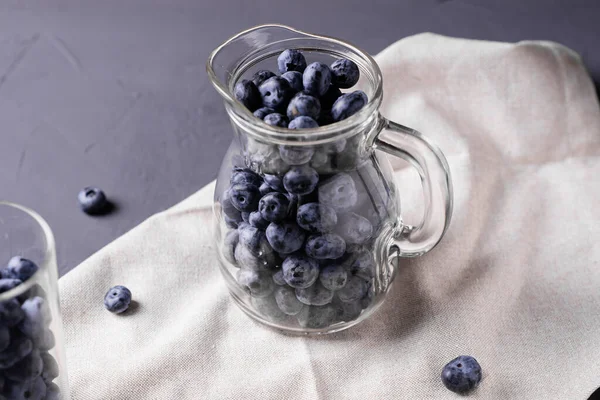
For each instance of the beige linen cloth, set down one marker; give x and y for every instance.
(515, 282)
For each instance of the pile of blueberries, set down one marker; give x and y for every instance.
(304, 256)
(302, 96)
(27, 369)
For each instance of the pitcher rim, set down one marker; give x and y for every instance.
(320, 134)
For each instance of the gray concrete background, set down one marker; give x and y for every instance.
(113, 93)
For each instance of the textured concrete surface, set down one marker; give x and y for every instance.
(113, 93)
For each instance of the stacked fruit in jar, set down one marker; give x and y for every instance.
(302, 220)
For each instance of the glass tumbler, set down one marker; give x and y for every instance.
(32, 356)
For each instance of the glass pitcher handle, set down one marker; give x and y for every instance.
(430, 163)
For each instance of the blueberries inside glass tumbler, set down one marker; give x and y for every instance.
(302, 91)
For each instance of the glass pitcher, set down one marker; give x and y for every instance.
(330, 262)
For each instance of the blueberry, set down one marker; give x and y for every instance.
(264, 189)
(254, 239)
(327, 100)
(45, 341)
(301, 180)
(257, 221)
(344, 73)
(4, 338)
(276, 119)
(315, 217)
(316, 79)
(245, 176)
(52, 392)
(245, 197)
(8, 284)
(232, 223)
(274, 165)
(228, 208)
(325, 246)
(354, 228)
(317, 317)
(320, 161)
(246, 217)
(315, 295)
(348, 311)
(18, 349)
(117, 299)
(37, 317)
(92, 200)
(287, 301)
(362, 265)
(21, 268)
(248, 260)
(268, 308)
(285, 237)
(50, 371)
(355, 289)
(348, 104)
(333, 277)
(262, 112)
(303, 122)
(300, 271)
(278, 278)
(248, 94)
(26, 369)
(274, 182)
(274, 207)
(257, 284)
(260, 76)
(31, 390)
(291, 60)
(303, 105)
(296, 155)
(462, 374)
(276, 92)
(339, 192)
(11, 313)
(295, 80)
(229, 243)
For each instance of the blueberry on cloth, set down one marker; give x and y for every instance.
(117, 299)
(462, 374)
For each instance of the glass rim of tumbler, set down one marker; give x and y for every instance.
(49, 251)
(311, 136)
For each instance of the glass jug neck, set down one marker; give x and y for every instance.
(238, 55)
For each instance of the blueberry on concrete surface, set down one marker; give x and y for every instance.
(287, 301)
(339, 192)
(316, 79)
(348, 104)
(262, 112)
(354, 228)
(31, 390)
(344, 73)
(315, 295)
(18, 349)
(355, 289)
(257, 221)
(462, 374)
(317, 317)
(300, 271)
(244, 197)
(229, 243)
(50, 371)
(315, 217)
(27, 369)
(303, 105)
(21, 268)
(248, 94)
(117, 299)
(285, 237)
(325, 246)
(295, 80)
(296, 155)
(303, 122)
(92, 200)
(276, 92)
(291, 60)
(274, 206)
(333, 277)
(260, 76)
(278, 278)
(301, 180)
(276, 119)
(256, 283)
